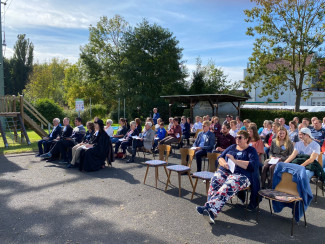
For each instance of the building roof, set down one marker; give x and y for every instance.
(215, 98)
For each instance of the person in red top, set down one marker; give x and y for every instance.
(174, 134)
(224, 140)
(269, 137)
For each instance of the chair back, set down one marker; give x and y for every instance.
(287, 185)
(212, 157)
(320, 159)
(197, 132)
(187, 156)
(162, 148)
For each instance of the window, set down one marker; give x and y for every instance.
(313, 104)
(323, 103)
(318, 103)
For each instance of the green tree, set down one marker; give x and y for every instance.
(46, 81)
(286, 34)
(19, 67)
(151, 67)
(102, 58)
(198, 83)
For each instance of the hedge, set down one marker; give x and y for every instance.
(258, 115)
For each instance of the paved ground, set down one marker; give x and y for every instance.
(47, 203)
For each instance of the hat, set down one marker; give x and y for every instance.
(229, 116)
(306, 131)
(99, 122)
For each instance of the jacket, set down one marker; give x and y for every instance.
(186, 129)
(55, 133)
(67, 132)
(148, 138)
(300, 177)
(314, 166)
(209, 141)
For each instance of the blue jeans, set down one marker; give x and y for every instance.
(309, 174)
(114, 139)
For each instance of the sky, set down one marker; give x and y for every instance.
(213, 30)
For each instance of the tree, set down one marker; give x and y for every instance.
(46, 81)
(198, 83)
(288, 34)
(151, 66)
(102, 58)
(18, 68)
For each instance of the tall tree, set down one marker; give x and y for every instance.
(151, 67)
(197, 85)
(102, 57)
(287, 34)
(20, 66)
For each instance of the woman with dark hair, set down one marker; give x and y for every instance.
(238, 170)
(255, 141)
(293, 131)
(139, 127)
(122, 130)
(93, 158)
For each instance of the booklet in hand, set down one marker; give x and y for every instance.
(274, 160)
(231, 165)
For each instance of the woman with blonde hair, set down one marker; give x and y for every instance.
(281, 148)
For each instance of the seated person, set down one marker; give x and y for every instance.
(139, 127)
(108, 128)
(293, 132)
(170, 125)
(256, 142)
(127, 139)
(224, 139)
(186, 129)
(157, 125)
(281, 148)
(269, 137)
(198, 124)
(174, 133)
(225, 183)
(47, 141)
(88, 138)
(93, 158)
(160, 134)
(305, 147)
(146, 140)
(246, 123)
(66, 143)
(203, 144)
(122, 130)
(318, 132)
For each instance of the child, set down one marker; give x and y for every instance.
(160, 134)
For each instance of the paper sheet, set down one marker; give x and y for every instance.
(193, 148)
(231, 165)
(136, 137)
(121, 139)
(274, 160)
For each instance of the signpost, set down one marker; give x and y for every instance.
(80, 106)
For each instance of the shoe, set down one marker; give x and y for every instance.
(205, 212)
(46, 155)
(69, 166)
(131, 160)
(38, 155)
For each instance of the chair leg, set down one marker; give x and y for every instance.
(179, 184)
(194, 187)
(303, 207)
(166, 171)
(246, 204)
(207, 186)
(189, 176)
(168, 179)
(270, 206)
(145, 176)
(258, 209)
(293, 217)
(156, 174)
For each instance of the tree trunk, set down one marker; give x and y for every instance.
(298, 98)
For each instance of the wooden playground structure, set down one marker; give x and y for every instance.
(15, 113)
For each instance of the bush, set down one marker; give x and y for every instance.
(49, 109)
(258, 116)
(97, 110)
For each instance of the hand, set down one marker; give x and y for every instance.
(219, 149)
(231, 157)
(223, 164)
(197, 149)
(89, 146)
(141, 139)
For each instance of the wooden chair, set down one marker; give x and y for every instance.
(320, 161)
(196, 133)
(212, 161)
(146, 151)
(186, 158)
(286, 192)
(164, 151)
(176, 143)
(203, 175)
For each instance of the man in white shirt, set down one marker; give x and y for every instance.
(108, 128)
(47, 141)
(198, 124)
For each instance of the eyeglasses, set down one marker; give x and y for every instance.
(239, 137)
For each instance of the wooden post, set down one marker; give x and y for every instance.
(3, 134)
(15, 118)
(211, 104)
(170, 110)
(21, 113)
(191, 111)
(217, 106)
(23, 130)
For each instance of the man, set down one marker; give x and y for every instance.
(246, 123)
(47, 141)
(224, 139)
(282, 122)
(197, 125)
(66, 143)
(306, 122)
(313, 120)
(174, 133)
(203, 144)
(228, 119)
(146, 140)
(155, 115)
(318, 132)
(186, 129)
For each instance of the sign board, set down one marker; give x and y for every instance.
(80, 105)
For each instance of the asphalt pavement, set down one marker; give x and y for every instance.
(47, 203)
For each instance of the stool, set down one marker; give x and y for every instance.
(156, 164)
(180, 169)
(204, 175)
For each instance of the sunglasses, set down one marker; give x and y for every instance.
(239, 137)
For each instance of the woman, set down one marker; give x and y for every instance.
(108, 128)
(216, 129)
(293, 132)
(120, 132)
(93, 158)
(139, 127)
(267, 129)
(233, 128)
(225, 184)
(269, 137)
(239, 123)
(256, 142)
(306, 146)
(127, 139)
(281, 147)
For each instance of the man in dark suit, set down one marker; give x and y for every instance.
(47, 141)
(186, 130)
(203, 144)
